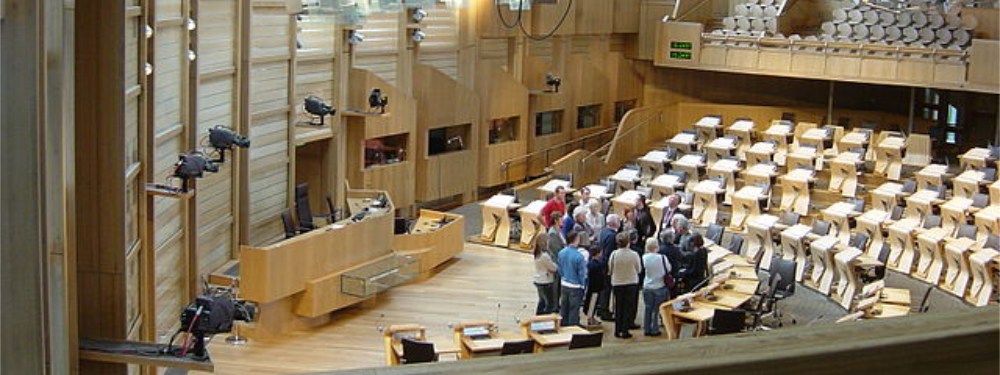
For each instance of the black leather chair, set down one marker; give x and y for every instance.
(783, 273)
(518, 347)
(735, 243)
(289, 223)
(415, 351)
(586, 340)
(727, 321)
(715, 233)
(302, 208)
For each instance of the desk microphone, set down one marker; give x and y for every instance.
(497, 321)
(517, 317)
(378, 324)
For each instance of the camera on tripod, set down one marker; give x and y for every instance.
(192, 165)
(212, 313)
(224, 139)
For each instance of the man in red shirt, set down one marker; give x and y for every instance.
(557, 203)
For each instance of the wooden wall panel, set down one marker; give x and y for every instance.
(377, 53)
(626, 19)
(594, 16)
(317, 33)
(493, 82)
(216, 220)
(217, 39)
(269, 33)
(440, 48)
(493, 50)
(314, 77)
(269, 177)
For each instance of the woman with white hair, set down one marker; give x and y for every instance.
(595, 218)
(654, 286)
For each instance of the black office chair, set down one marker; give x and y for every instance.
(289, 223)
(967, 231)
(302, 208)
(714, 233)
(735, 243)
(415, 351)
(518, 347)
(681, 175)
(586, 340)
(785, 284)
(727, 321)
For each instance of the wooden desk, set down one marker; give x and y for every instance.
(818, 139)
(956, 276)
(674, 318)
(822, 252)
(441, 347)
(726, 169)
(492, 345)
(434, 239)
(743, 130)
(849, 283)
(804, 157)
(975, 158)
(706, 202)
(760, 152)
(562, 337)
(921, 204)
(625, 200)
(934, 174)
(968, 183)
(656, 209)
(930, 262)
(795, 187)
(685, 142)
(693, 165)
(983, 263)
(858, 138)
(871, 223)
(840, 215)
(720, 148)
(780, 132)
(709, 128)
(844, 173)
(954, 213)
(748, 203)
(531, 224)
(653, 163)
(626, 179)
(760, 174)
(987, 221)
(665, 185)
(496, 221)
(793, 247)
(887, 196)
(551, 185)
(902, 250)
(889, 157)
(597, 191)
(761, 240)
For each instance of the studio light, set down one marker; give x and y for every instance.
(356, 37)
(418, 36)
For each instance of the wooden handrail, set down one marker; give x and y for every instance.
(504, 164)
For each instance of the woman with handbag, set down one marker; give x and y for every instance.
(655, 286)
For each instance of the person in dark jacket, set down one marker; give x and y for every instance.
(644, 223)
(596, 274)
(696, 257)
(607, 244)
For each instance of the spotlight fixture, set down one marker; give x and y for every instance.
(356, 37)
(419, 14)
(553, 81)
(224, 139)
(317, 107)
(190, 166)
(377, 101)
(191, 25)
(418, 36)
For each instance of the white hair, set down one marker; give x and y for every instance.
(580, 210)
(652, 245)
(613, 220)
(593, 203)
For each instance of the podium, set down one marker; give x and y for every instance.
(844, 170)
(625, 200)
(727, 170)
(721, 148)
(889, 157)
(748, 203)
(531, 223)
(761, 152)
(626, 179)
(930, 262)
(933, 174)
(975, 158)
(761, 240)
(870, 224)
(984, 264)
(968, 183)
(693, 165)
(666, 184)
(821, 256)
(793, 247)
(496, 221)
(956, 275)
(901, 248)
(684, 141)
(780, 132)
(653, 162)
(840, 215)
(795, 190)
(709, 128)
(743, 131)
(706, 201)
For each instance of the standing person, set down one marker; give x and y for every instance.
(654, 288)
(587, 235)
(644, 222)
(666, 221)
(556, 204)
(569, 220)
(629, 219)
(584, 195)
(555, 239)
(696, 257)
(624, 266)
(597, 271)
(595, 218)
(573, 280)
(545, 271)
(607, 244)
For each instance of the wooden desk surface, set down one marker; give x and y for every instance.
(763, 148)
(500, 201)
(665, 181)
(725, 300)
(855, 137)
(799, 175)
(722, 143)
(550, 187)
(699, 312)
(709, 187)
(691, 161)
(535, 207)
(779, 129)
(726, 166)
(742, 126)
(628, 197)
(841, 209)
(972, 176)
(626, 174)
(597, 191)
(745, 286)
(933, 170)
(893, 143)
(683, 138)
(562, 337)
(495, 342)
(848, 157)
(655, 156)
(750, 192)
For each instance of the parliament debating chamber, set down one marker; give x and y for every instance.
(435, 186)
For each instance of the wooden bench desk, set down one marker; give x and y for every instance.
(626, 179)
(795, 187)
(693, 165)
(761, 152)
(844, 173)
(496, 221)
(780, 132)
(743, 130)
(721, 148)
(889, 157)
(652, 163)
(709, 128)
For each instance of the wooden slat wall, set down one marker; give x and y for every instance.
(170, 241)
(440, 48)
(217, 105)
(316, 34)
(377, 53)
(493, 50)
(269, 170)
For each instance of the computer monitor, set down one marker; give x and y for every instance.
(543, 326)
(476, 331)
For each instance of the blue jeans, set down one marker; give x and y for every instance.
(546, 299)
(653, 298)
(569, 306)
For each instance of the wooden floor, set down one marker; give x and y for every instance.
(470, 287)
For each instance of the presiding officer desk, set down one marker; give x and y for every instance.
(547, 332)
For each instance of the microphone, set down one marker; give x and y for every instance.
(378, 323)
(497, 321)
(517, 317)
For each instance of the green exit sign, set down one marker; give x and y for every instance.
(680, 55)
(680, 45)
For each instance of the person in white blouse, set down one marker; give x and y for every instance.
(545, 273)
(654, 286)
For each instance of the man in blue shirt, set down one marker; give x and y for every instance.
(573, 275)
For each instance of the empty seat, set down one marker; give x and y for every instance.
(859, 205)
(980, 200)
(820, 227)
(859, 241)
(415, 351)
(586, 340)
(909, 186)
(992, 242)
(990, 174)
(789, 218)
(932, 221)
(289, 223)
(967, 231)
(518, 347)
(735, 243)
(714, 233)
(727, 321)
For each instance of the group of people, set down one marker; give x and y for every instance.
(587, 262)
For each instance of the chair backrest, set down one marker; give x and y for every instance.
(690, 131)
(415, 351)
(518, 347)
(992, 242)
(821, 227)
(727, 321)
(932, 221)
(681, 175)
(909, 186)
(967, 231)
(790, 218)
(859, 241)
(785, 286)
(991, 174)
(897, 212)
(715, 232)
(289, 223)
(735, 243)
(333, 210)
(586, 340)
(670, 152)
(302, 209)
(859, 205)
(634, 167)
(980, 200)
